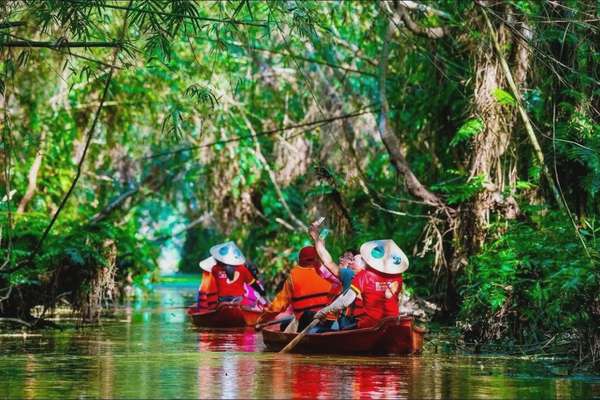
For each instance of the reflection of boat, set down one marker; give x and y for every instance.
(239, 340)
(390, 336)
(227, 315)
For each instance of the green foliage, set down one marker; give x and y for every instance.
(504, 98)
(469, 129)
(173, 146)
(531, 282)
(460, 189)
(69, 244)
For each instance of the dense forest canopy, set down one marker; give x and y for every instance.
(466, 131)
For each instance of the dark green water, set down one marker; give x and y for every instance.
(152, 351)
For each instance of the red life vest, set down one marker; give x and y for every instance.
(309, 290)
(377, 296)
(207, 293)
(234, 287)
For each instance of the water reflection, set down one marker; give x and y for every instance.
(229, 340)
(152, 351)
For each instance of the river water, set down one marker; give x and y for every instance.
(151, 350)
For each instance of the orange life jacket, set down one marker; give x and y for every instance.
(309, 290)
(207, 293)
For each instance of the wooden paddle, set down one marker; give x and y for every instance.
(258, 327)
(290, 346)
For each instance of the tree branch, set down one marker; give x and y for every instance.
(413, 5)
(391, 142)
(11, 24)
(310, 125)
(90, 136)
(186, 228)
(402, 13)
(271, 174)
(16, 321)
(185, 16)
(59, 44)
(106, 211)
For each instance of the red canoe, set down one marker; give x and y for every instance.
(390, 336)
(225, 316)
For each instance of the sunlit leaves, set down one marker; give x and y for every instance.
(504, 98)
(469, 129)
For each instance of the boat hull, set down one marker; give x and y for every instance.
(390, 336)
(225, 316)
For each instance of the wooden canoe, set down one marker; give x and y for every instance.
(390, 336)
(227, 315)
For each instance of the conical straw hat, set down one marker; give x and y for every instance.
(384, 256)
(207, 264)
(228, 253)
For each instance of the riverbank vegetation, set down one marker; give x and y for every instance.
(466, 131)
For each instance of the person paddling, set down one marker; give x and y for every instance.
(231, 274)
(207, 292)
(375, 292)
(305, 290)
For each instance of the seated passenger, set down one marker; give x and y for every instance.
(207, 292)
(350, 264)
(231, 274)
(253, 299)
(375, 292)
(305, 290)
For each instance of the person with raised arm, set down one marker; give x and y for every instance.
(350, 262)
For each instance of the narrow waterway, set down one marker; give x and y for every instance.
(151, 350)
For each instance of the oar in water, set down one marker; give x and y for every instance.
(290, 346)
(258, 327)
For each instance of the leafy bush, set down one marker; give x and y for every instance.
(533, 281)
(64, 266)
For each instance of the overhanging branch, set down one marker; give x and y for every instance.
(60, 44)
(402, 13)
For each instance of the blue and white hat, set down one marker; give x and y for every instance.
(384, 256)
(207, 264)
(228, 253)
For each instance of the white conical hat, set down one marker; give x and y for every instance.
(228, 253)
(207, 264)
(384, 256)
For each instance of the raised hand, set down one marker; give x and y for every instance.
(313, 230)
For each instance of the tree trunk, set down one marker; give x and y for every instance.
(490, 145)
(33, 175)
